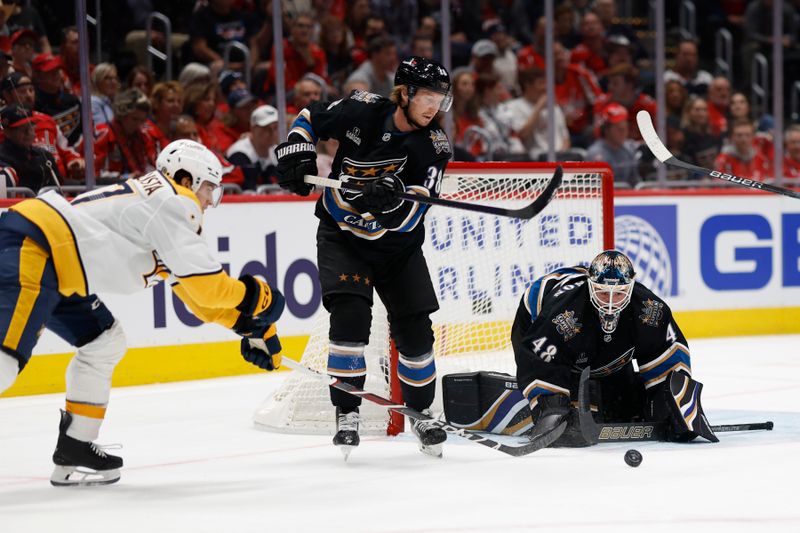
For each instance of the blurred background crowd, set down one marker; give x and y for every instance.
(211, 77)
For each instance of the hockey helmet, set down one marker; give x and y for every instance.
(192, 158)
(417, 72)
(610, 286)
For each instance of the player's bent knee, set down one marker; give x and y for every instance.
(351, 316)
(413, 334)
(9, 368)
(106, 350)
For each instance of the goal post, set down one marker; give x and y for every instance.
(480, 265)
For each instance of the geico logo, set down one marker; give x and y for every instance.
(293, 280)
(739, 251)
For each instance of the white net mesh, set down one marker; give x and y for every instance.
(480, 266)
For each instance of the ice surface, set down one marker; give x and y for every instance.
(194, 462)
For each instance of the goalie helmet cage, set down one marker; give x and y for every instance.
(480, 266)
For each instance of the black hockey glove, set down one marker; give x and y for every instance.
(263, 352)
(550, 417)
(380, 195)
(677, 400)
(295, 160)
(260, 300)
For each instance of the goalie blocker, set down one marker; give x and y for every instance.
(492, 402)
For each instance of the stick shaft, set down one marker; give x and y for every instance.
(527, 212)
(516, 451)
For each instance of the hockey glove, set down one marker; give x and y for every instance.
(260, 300)
(263, 352)
(380, 195)
(677, 401)
(295, 160)
(550, 417)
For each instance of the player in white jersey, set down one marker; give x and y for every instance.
(55, 255)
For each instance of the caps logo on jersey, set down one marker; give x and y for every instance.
(567, 325)
(440, 142)
(648, 235)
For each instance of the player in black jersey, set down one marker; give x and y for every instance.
(602, 318)
(374, 239)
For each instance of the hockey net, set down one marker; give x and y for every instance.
(480, 266)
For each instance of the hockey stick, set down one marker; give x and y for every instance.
(525, 213)
(665, 156)
(594, 433)
(515, 451)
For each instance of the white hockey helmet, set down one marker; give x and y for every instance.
(611, 280)
(194, 159)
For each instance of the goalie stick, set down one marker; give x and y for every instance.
(663, 154)
(595, 433)
(525, 213)
(479, 438)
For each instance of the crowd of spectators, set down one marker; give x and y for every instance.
(602, 62)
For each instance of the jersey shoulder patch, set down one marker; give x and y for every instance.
(366, 97)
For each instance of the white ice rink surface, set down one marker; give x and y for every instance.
(194, 462)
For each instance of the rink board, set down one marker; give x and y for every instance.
(728, 263)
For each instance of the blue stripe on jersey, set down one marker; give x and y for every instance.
(346, 365)
(302, 122)
(415, 218)
(350, 217)
(417, 377)
(678, 359)
(533, 298)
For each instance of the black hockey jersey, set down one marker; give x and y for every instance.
(370, 146)
(557, 333)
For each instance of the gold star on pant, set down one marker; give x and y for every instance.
(366, 281)
(343, 277)
(356, 278)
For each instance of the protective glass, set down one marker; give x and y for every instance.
(429, 98)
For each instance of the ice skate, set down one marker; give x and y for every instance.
(80, 463)
(346, 437)
(430, 437)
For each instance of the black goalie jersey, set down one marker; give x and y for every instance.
(557, 333)
(369, 147)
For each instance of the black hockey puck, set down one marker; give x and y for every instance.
(633, 458)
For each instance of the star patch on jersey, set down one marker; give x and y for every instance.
(440, 142)
(567, 325)
(652, 313)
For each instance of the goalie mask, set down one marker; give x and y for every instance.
(610, 286)
(184, 157)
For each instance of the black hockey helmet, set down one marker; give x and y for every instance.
(610, 286)
(417, 72)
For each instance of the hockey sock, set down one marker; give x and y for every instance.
(417, 379)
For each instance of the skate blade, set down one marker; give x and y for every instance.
(434, 450)
(345, 449)
(75, 476)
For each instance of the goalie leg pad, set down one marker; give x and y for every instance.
(678, 401)
(486, 401)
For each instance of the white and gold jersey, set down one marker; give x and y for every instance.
(125, 237)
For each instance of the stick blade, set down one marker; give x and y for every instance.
(645, 122)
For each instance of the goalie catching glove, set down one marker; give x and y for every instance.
(295, 160)
(263, 352)
(677, 400)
